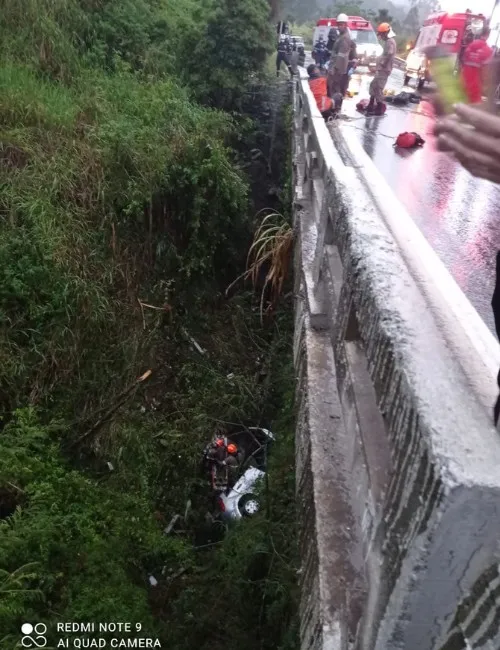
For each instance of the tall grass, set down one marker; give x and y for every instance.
(86, 144)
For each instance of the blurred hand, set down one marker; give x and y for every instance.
(437, 104)
(472, 136)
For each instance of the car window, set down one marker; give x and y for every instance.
(364, 37)
(257, 459)
(254, 443)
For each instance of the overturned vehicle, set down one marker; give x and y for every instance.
(235, 464)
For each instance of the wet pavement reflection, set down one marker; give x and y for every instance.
(458, 214)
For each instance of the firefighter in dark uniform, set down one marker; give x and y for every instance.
(302, 55)
(283, 56)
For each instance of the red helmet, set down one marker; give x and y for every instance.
(219, 442)
(232, 448)
(384, 28)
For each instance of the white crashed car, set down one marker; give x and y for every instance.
(241, 499)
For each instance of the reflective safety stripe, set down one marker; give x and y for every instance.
(326, 104)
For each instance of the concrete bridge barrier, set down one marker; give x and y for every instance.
(398, 464)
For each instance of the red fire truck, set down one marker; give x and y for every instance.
(452, 31)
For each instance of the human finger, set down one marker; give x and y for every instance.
(478, 164)
(444, 145)
(474, 140)
(479, 119)
(441, 126)
(468, 157)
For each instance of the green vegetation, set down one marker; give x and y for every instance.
(125, 214)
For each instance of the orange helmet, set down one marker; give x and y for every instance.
(219, 442)
(383, 28)
(232, 448)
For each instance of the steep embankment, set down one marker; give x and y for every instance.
(125, 214)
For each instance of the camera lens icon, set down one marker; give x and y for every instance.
(34, 635)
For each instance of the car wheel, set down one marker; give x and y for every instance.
(249, 505)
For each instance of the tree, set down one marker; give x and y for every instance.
(301, 11)
(425, 8)
(349, 8)
(384, 16)
(412, 21)
(275, 8)
(236, 41)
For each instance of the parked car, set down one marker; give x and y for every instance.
(240, 499)
(299, 41)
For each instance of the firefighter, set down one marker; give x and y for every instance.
(320, 52)
(385, 63)
(319, 88)
(302, 55)
(339, 61)
(283, 56)
(477, 56)
(233, 461)
(217, 451)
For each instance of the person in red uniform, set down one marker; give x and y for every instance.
(475, 59)
(319, 87)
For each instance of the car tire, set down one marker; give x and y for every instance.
(249, 505)
(407, 80)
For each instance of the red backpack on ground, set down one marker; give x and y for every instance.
(408, 140)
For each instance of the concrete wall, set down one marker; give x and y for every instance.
(398, 465)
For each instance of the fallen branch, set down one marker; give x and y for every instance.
(194, 343)
(165, 308)
(15, 487)
(122, 398)
(176, 575)
(171, 525)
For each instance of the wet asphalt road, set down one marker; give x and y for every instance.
(458, 214)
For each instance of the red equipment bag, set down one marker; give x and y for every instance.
(408, 140)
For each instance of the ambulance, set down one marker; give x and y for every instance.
(362, 33)
(451, 31)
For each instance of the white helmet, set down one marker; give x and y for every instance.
(342, 18)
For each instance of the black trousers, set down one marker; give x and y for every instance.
(283, 57)
(495, 304)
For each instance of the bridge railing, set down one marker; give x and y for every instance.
(398, 478)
